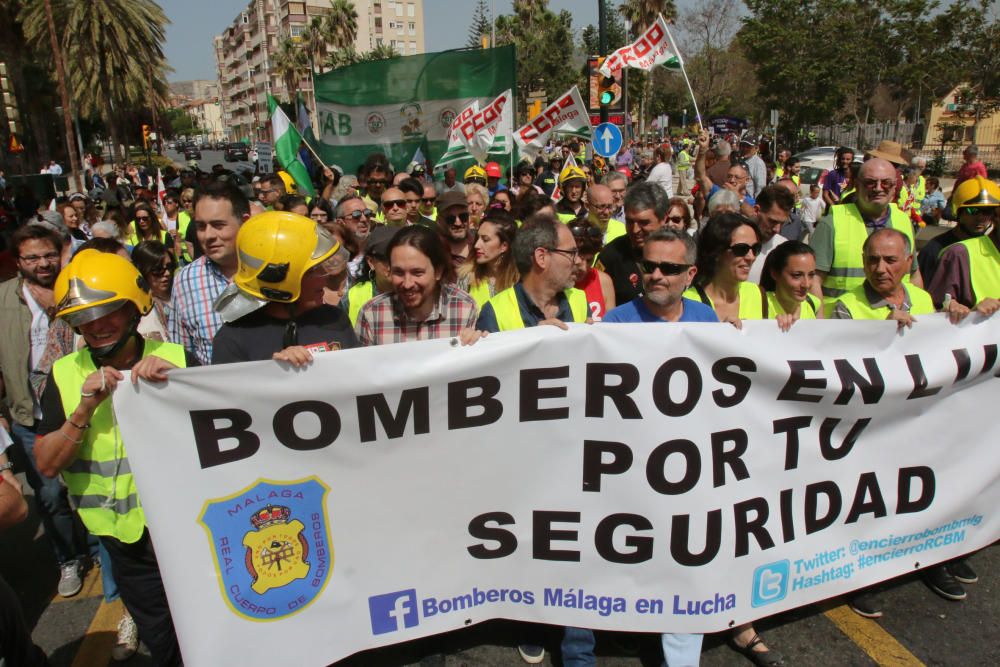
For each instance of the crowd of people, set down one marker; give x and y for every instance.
(215, 270)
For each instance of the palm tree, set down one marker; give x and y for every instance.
(113, 48)
(290, 64)
(380, 52)
(314, 41)
(342, 24)
(642, 13)
(74, 159)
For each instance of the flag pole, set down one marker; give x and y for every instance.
(680, 59)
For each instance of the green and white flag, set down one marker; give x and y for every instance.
(398, 105)
(286, 147)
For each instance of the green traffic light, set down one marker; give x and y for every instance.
(607, 96)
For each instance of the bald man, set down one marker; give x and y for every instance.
(840, 235)
(394, 207)
(600, 206)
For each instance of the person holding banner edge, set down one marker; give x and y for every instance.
(102, 296)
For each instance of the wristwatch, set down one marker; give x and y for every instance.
(6, 466)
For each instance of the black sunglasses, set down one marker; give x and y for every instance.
(977, 210)
(428, 200)
(451, 217)
(357, 215)
(666, 268)
(390, 203)
(585, 231)
(741, 249)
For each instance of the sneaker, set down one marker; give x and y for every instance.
(70, 582)
(941, 582)
(128, 639)
(531, 653)
(865, 604)
(962, 571)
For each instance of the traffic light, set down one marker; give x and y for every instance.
(145, 136)
(605, 86)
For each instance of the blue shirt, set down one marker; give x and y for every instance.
(530, 313)
(636, 311)
(193, 321)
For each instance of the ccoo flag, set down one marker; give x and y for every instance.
(286, 147)
(652, 49)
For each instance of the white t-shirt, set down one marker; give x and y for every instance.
(812, 209)
(765, 250)
(39, 337)
(663, 176)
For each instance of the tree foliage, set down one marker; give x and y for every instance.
(545, 47)
(480, 25)
(822, 61)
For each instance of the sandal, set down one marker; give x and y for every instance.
(760, 658)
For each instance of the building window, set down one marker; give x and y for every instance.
(413, 47)
(378, 23)
(296, 30)
(410, 10)
(296, 8)
(413, 28)
(399, 9)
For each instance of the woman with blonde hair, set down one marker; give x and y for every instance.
(478, 198)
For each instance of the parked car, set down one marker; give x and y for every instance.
(817, 161)
(192, 152)
(236, 152)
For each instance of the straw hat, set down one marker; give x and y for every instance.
(891, 151)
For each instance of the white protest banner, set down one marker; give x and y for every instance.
(681, 477)
(483, 128)
(567, 114)
(653, 48)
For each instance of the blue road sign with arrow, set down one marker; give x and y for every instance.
(607, 140)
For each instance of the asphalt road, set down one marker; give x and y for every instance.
(919, 628)
(210, 158)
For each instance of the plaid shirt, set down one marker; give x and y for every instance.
(382, 320)
(192, 320)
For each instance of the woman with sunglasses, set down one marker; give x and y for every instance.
(595, 284)
(727, 248)
(490, 269)
(788, 274)
(501, 199)
(146, 227)
(679, 216)
(156, 264)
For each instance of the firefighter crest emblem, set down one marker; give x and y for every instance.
(271, 545)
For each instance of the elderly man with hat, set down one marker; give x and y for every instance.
(840, 235)
(453, 223)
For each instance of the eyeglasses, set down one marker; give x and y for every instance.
(569, 254)
(393, 203)
(428, 200)
(163, 270)
(676, 219)
(871, 183)
(377, 181)
(35, 259)
(666, 268)
(357, 215)
(452, 217)
(741, 249)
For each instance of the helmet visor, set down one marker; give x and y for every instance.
(78, 318)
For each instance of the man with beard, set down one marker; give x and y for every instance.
(646, 208)
(26, 316)
(453, 222)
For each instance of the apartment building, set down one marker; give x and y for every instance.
(245, 50)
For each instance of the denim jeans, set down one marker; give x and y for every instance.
(679, 650)
(52, 500)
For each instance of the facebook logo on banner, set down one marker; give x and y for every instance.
(770, 583)
(393, 611)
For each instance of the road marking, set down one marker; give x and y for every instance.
(96, 647)
(91, 587)
(880, 646)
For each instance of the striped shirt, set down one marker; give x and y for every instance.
(193, 321)
(382, 320)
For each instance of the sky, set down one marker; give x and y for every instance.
(195, 22)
